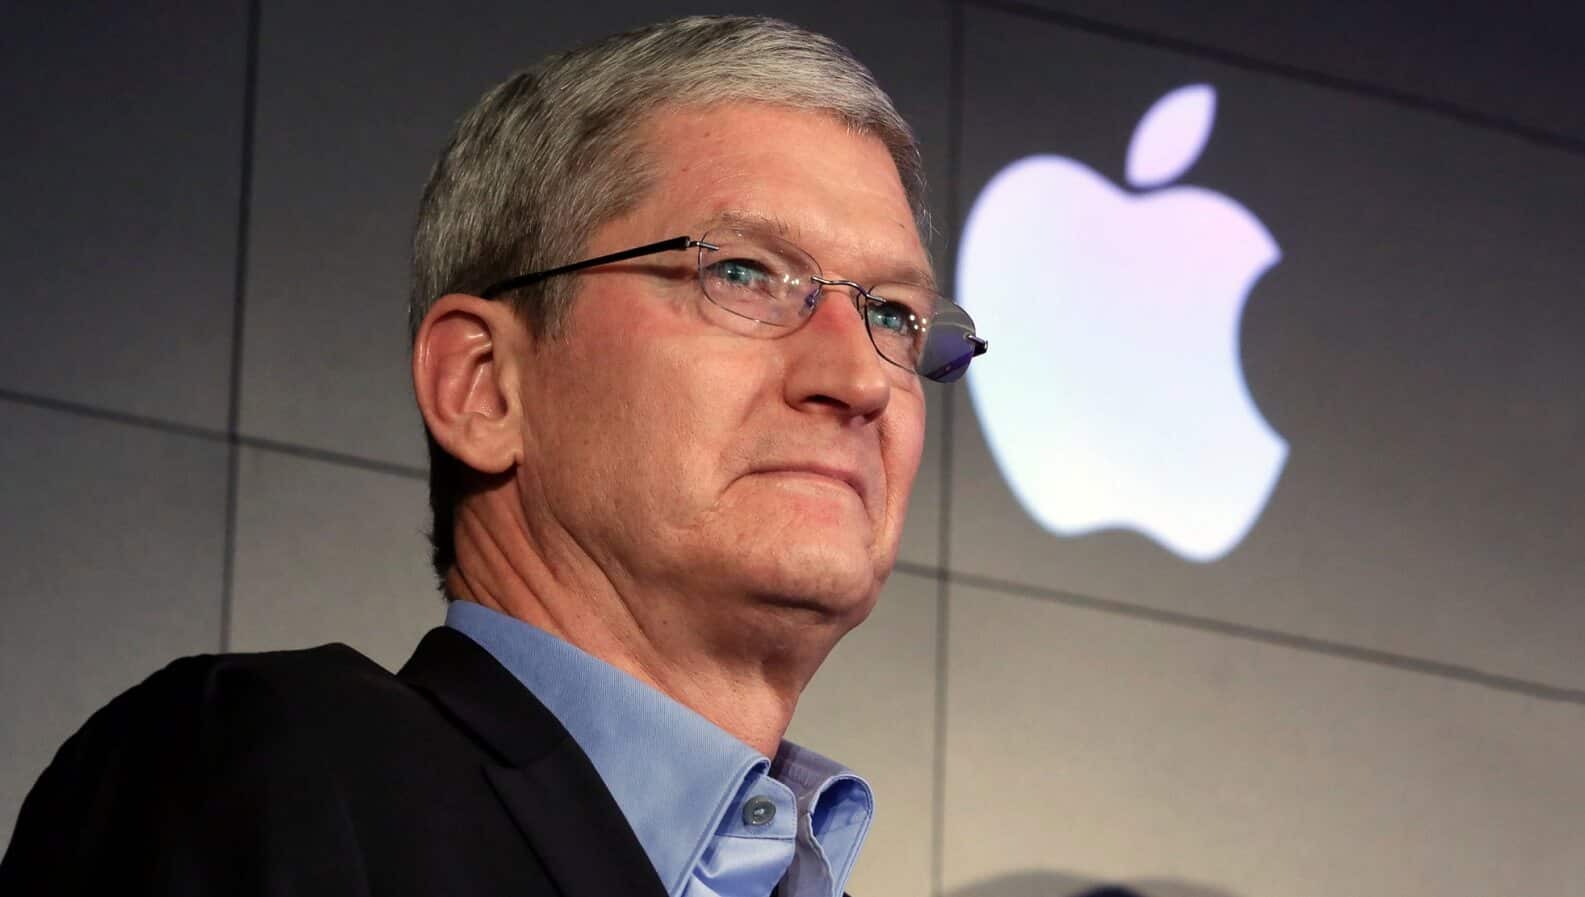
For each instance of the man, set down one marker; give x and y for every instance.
(671, 459)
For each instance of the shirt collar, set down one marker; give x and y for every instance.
(673, 773)
(835, 808)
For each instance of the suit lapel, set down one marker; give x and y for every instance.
(543, 779)
(589, 854)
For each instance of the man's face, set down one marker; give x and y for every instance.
(707, 464)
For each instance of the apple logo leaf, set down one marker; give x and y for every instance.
(1171, 135)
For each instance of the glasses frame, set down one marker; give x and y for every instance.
(978, 345)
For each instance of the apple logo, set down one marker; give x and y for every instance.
(1116, 398)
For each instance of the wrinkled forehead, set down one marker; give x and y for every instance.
(807, 177)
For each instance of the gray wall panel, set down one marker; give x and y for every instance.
(1416, 346)
(112, 552)
(120, 184)
(1518, 63)
(329, 553)
(1087, 748)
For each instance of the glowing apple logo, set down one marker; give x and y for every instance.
(1115, 397)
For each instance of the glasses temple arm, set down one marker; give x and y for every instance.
(668, 245)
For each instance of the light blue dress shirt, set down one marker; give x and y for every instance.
(715, 817)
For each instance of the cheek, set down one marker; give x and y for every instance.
(902, 445)
(672, 403)
(586, 420)
(703, 399)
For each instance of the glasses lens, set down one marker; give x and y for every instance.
(762, 279)
(948, 348)
(898, 315)
(921, 331)
(757, 276)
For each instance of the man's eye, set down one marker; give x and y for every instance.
(744, 274)
(893, 317)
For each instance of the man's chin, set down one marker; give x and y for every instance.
(820, 555)
(820, 577)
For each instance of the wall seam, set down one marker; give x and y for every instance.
(250, 106)
(938, 779)
(1307, 644)
(110, 415)
(939, 572)
(207, 434)
(1402, 98)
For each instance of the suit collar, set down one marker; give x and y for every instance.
(481, 695)
(545, 782)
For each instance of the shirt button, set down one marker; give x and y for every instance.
(759, 811)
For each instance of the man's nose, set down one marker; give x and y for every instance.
(834, 363)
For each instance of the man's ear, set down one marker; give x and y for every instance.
(465, 379)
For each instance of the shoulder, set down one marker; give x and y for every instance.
(273, 716)
(175, 776)
(334, 666)
(191, 690)
(206, 711)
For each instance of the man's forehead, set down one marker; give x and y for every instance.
(757, 165)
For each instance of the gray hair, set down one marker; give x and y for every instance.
(550, 155)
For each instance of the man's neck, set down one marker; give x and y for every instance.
(746, 681)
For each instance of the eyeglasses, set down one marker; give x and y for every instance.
(771, 288)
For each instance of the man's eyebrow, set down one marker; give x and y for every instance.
(900, 272)
(752, 221)
(913, 274)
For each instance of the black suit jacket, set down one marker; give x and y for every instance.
(317, 772)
